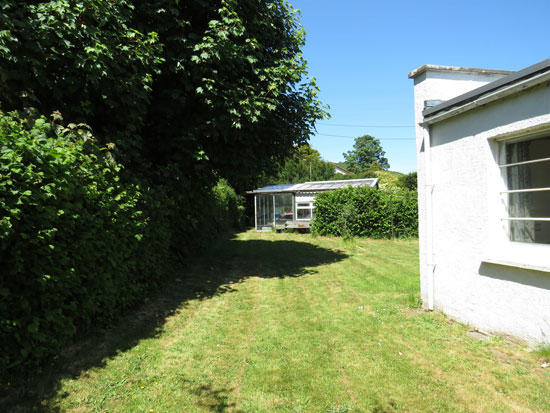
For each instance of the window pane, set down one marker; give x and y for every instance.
(264, 210)
(528, 150)
(303, 213)
(530, 176)
(530, 204)
(535, 175)
(283, 208)
(530, 231)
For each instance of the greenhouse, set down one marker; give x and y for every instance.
(291, 205)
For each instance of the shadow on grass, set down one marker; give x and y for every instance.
(211, 274)
(210, 398)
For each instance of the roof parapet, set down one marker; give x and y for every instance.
(523, 79)
(438, 68)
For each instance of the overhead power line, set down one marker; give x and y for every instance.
(366, 126)
(354, 137)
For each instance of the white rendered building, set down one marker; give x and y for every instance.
(483, 148)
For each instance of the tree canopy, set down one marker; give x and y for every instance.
(186, 89)
(366, 151)
(303, 164)
(409, 181)
(172, 96)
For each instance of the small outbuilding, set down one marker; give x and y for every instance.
(292, 205)
(483, 150)
(339, 170)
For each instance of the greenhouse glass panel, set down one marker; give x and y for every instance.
(283, 208)
(264, 210)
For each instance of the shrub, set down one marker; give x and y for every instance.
(229, 209)
(408, 181)
(366, 212)
(69, 233)
(78, 245)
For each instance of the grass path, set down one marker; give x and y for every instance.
(292, 323)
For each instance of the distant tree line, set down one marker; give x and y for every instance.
(366, 160)
(302, 164)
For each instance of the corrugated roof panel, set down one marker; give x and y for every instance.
(330, 185)
(318, 186)
(274, 188)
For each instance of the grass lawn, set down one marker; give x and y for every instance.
(288, 322)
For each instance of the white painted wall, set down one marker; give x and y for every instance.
(460, 208)
(435, 84)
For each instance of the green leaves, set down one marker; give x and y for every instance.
(77, 243)
(366, 152)
(367, 212)
(247, 104)
(165, 79)
(55, 228)
(82, 58)
(189, 92)
(303, 164)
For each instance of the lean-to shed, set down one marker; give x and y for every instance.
(291, 205)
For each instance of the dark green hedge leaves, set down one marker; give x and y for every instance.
(77, 244)
(366, 212)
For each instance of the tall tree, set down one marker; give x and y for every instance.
(182, 87)
(366, 150)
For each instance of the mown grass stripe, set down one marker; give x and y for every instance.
(294, 323)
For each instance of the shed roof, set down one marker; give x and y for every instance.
(318, 186)
(274, 188)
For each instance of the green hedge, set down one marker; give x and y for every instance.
(77, 244)
(366, 212)
(228, 210)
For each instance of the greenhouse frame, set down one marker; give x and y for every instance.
(292, 205)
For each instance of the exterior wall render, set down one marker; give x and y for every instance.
(460, 207)
(434, 85)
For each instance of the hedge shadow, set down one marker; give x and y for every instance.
(230, 261)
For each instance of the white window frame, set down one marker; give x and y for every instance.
(502, 250)
(309, 208)
(309, 199)
(505, 194)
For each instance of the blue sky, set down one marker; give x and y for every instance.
(360, 52)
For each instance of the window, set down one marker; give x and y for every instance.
(303, 213)
(526, 171)
(264, 210)
(304, 210)
(283, 208)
